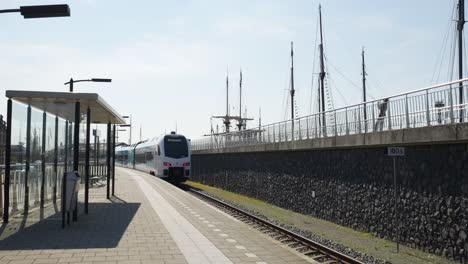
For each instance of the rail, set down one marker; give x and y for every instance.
(318, 251)
(437, 105)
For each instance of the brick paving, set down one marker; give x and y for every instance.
(129, 228)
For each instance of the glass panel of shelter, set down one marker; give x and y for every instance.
(42, 151)
(18, 156)
(34, 152)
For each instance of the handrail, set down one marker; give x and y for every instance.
(404, 110)
(367, 102)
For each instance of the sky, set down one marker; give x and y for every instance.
(168, 60)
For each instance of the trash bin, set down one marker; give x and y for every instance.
(72, 187)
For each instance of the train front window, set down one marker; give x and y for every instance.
(175, 147)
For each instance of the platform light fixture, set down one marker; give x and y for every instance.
(71, 82)
(41, 11)
(101, 80)
(129, 125)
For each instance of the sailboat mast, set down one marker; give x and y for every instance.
(460, 24)
(259, 118)
(240, 102)
(227, 95)
(292, 91)
(260, 123)
(226, 119)
(364, 84)
(322, 68)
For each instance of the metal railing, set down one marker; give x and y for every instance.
(431, 106)
(52, 183)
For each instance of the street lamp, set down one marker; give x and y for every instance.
(41, 11)
(123, 125)
(130, 137)
(117, 134)
(71, 82)
(27, 12)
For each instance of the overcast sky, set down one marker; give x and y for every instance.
(168, 59)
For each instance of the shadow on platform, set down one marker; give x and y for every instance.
(103, 227)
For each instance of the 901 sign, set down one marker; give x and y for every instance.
(395, 151)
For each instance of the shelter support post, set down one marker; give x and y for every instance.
(6, 193)
(88, 128)
(55, 160)
(43, 161)
(64, 177)
(76, 151)
(28, 160)
(108, 154)
(113, 162)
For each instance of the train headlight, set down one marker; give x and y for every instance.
(186, 164)
(167, 164)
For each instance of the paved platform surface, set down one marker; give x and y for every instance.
(148, 221)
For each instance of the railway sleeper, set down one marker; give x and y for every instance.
(303, 248)
(296, 245)
(310, 252)
(332, 261)
(313, 253)
(319, 258)
(288, 241)
(281, 237)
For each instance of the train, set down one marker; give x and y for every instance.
(167, 157)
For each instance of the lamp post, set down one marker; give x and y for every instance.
(117, 134)
(41, 11)
(130, 136)
(124, 125)
(71, 82)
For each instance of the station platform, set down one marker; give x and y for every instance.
(148, 221)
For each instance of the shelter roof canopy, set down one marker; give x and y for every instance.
(63, 104)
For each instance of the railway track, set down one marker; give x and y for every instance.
(312, 249)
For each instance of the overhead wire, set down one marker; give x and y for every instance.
(464, 57)
(285, 100)
(451, 65)
(372, 84)
(312, 101)
(440, 58)
(346, 78)
(330, 80)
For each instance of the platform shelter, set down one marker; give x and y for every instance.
(48, 135)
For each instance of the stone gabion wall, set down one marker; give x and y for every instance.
(354, 188)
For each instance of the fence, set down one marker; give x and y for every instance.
(431, 106)
(52, 183)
